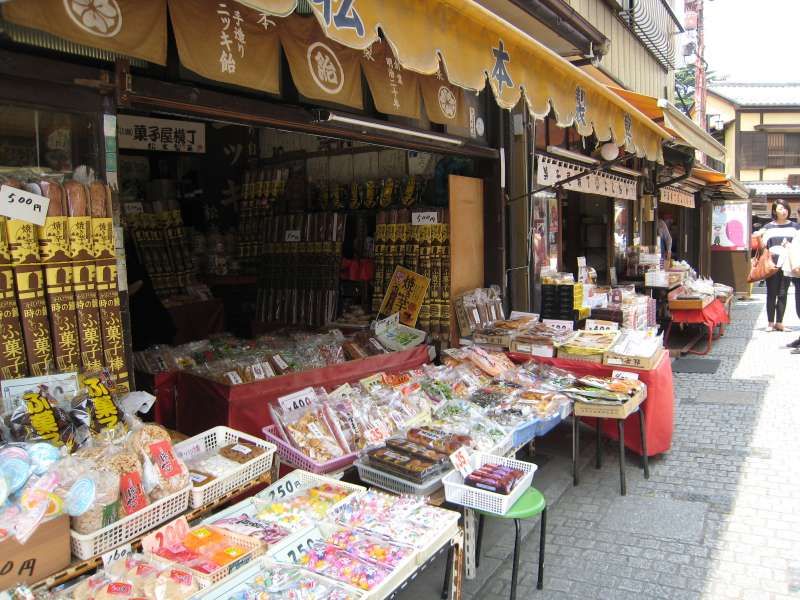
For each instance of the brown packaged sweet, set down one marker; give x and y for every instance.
(354, 351)
(13, 362)
(437, 439)
(39, 419)
(55, 255)
(417, 450)
(399, 463)
(108, 301)
(84, 270)
(241, 452)
(200, 478)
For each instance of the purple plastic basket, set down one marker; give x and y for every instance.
(292, 456)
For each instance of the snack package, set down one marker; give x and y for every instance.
(164, 472)
(40, 419)
(404, 465)
(241, 452)
(95, 407)
(309, 430)
(291, 582)
(438, 440)
(331, 561)
(252, 526)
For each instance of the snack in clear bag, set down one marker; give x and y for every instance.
(309, 431)
(93, 498)
(241, 451)
(40, 419)
(164, 472)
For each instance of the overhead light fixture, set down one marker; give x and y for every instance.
(609, 151)
(324, 116)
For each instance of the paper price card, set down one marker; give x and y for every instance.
(170, 534)
(116, 554)
(371, 382)
(559, 325)
(302, 399)
(22, 205)
(625, 375)
(284, 488)
(424, 218)
(292, 235)
(190, 449)
(294, 551)
(460, 460)
(598, 325)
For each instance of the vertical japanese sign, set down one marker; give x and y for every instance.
(243, 50)
(405, 295)
(394, 89)
(161, 135)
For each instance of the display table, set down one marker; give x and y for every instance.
(711, 316)
(658, 407)
(202, 403)
(197, 320)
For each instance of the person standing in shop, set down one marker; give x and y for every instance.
(666, 241)
(776, 236)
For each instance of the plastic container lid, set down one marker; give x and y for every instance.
(16, 472)
(81, 496)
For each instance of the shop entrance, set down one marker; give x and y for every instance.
(588, 225)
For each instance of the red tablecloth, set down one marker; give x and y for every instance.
(197, 320)
(658, 407)
(163, 387)
(712, 315)
(203, 403)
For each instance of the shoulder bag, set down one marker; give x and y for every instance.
(762, 266)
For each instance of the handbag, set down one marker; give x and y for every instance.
(761, 266)
(755, 242)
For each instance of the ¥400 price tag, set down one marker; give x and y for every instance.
(22, 205)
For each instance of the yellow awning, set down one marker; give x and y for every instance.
(472, 43)
(462, 38)
(722, 185)
(673, 120)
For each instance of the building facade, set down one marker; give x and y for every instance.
(760, 127)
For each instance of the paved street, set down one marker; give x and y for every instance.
(720, 515)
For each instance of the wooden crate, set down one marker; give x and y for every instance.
(593, 358)
(604, 411)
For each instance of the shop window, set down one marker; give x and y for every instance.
(45, 140)
(753, 154)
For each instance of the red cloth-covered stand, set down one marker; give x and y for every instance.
(711, 316)
(658, 406)
(202, 403)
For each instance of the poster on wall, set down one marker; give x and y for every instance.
(729, 227)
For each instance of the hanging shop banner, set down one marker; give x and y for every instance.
(321, 69)
(671, 195)
(135, 28)
(444, 102)
(228, 42)
(551, 171)
(728, 227)
(474, 44)
(394, 89)
(162, 135)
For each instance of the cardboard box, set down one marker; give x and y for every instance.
(527, 347)
(46, 552)
(690, 303)
(645, 363)
(606, 411)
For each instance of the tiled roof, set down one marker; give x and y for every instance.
(772, 188)
(758, 94)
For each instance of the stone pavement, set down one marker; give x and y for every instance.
(719, 516)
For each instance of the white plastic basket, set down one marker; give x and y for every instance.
(93, 544)
(219, 437)
(457, 492)
(374, 476)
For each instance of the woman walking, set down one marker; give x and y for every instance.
(776, 237)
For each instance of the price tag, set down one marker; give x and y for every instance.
(424, 218)
(625, 375)
(293, 552)
(168, 535)
(374, 435)
(187, 450)
(559, 324)
(116, 554)
(342, 391)
(372, 382)
(282, 364)
(581, 261)
(22, 205)
(460, 460)
(283, 488)
(302, 399)
(292, 235)
(598, 325)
